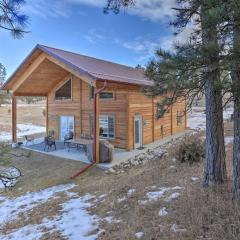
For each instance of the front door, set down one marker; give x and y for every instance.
(138, 131)
(66, 125)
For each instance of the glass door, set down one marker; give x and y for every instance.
(66, 126)
(138, 131)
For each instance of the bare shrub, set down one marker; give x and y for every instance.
(191, 149)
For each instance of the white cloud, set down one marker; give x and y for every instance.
(154, 10)
(46, 9)
(94, 35)
(145, 47)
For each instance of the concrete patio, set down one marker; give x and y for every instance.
(120, 155)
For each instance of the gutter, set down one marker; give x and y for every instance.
(95, 136)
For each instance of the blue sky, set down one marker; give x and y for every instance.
(79, 25)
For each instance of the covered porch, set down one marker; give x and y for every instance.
(36, 77)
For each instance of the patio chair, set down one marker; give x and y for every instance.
(49, 143)
(51, 133)
(29, 139)
(68, 136)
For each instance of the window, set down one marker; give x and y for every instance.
(179, 118)
(91, 92)
(106, 126)
(162, 130)
(64, 92)
(106, 95)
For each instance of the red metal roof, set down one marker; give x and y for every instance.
(99, 69)
(94, 68)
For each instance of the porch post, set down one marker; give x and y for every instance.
(47, 115)
(97, 127)
(14, 118)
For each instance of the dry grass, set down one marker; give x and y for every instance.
(205, 213)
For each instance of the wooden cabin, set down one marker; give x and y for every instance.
(69, 81)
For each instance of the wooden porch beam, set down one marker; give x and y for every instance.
(14, 119)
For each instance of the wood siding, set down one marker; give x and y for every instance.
(128, 101)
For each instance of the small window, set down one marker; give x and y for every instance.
(64, 92)
(162, 130)
(106, 95)
(91, 92)
(106, 126)
(179, 118)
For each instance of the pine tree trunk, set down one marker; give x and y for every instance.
(215, 166)
(236, 115)
(236, 148)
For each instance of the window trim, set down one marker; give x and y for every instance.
(61, 85)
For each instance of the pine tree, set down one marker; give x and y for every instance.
(3, 95)
(11, 17)
(191, 70)
(234, 23)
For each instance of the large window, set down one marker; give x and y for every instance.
(179, 118)
(106, 126)
(64, 92)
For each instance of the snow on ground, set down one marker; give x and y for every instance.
(194, 179)
(196, 118)
(162, 212)
(131, 191)
(22, 130)
(139, 235)
(161, 193)
(73, 221)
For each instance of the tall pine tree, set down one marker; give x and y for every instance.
(194, 69)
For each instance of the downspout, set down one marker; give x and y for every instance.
(95, 132)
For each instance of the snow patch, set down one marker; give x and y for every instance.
(74, 221)
(162, 212)
(194, 179)
(121, 199)
(197, 117)
(175, 228)
(22, 130)
(27, 202)
(131, 191)
(139, 235)
(153, 196)
(173, 196)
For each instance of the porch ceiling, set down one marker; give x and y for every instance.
(41, 80)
